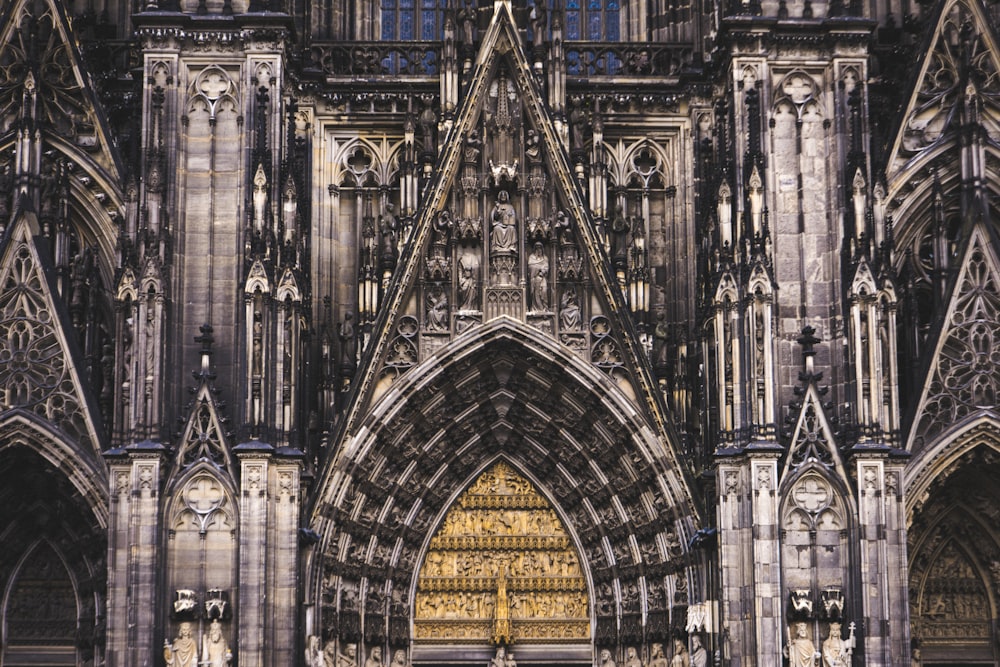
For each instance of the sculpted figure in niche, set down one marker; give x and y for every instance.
(183, 652)
(606, 659)
(467, 17)
(215, 649)
(500, 659)
(835, 649)
(800, 651)
(538, 277)
(619, 236)
(504, 226)
(314, 652)
(437, 309)
(468, 270)
(349, 658)
(374, 657)
(681, 657)
(699, 656)
(661, 334)
(389, 227)
(330, 654)
(539, 23)
(346, 335)
(657, 657)
(632, 658)
(398, 659)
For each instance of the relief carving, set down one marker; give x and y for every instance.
(501, 556)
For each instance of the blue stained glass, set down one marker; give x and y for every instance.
(611, 26)
(594, 26)
(406, 4)
(388, 4)
(429, 3)
(573, 4)
(594, 5)
(572, 25)
(406, 24)
(612, 6)
(428, 24)
(388, 27)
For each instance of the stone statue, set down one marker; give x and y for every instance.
(500, 659)
(606, 659)
(399, 658)
(330, 654)
(632, 658)
(533, 146)
(349, 657)
(314, 652)
(661, 335)
(578, 123)
(800, 651)
(374, 657)
(619, 236)
(467, 17)
(437, 308)
(215, 650)
(388, 226)
(473, 146)
(835, 653)
(442, 226)
(468, 270)
(428, 123)
(569, 310)
(657, 657)
(183, 652)
(699, 656)
(538, 279)
(347, 341)
(539, 22)
(681, 657)
(504, 240)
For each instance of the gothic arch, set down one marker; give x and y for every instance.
(88, 476)
(510, 391)
(201, 543)
(939, 460)
(40, 607)
(52, 566)
(954, 553)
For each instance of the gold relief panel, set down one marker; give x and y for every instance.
(502, 540)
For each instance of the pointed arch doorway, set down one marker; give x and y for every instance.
(502, 581)
(954, 554)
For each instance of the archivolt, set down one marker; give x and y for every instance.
(507, 391)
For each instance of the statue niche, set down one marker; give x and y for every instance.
(501, 564)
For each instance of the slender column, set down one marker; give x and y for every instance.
(255, 461)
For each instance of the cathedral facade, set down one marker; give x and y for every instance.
(348, 333)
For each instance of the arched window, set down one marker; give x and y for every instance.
(412, 19)
(596, 20)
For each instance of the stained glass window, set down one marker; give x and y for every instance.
(593, 20)
(412, 19)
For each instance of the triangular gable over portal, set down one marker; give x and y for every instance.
(501, 56)
(36, 36)
(961, 65)
(40, 364)
(963, 380)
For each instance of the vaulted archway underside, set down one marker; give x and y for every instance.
(504, 391)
